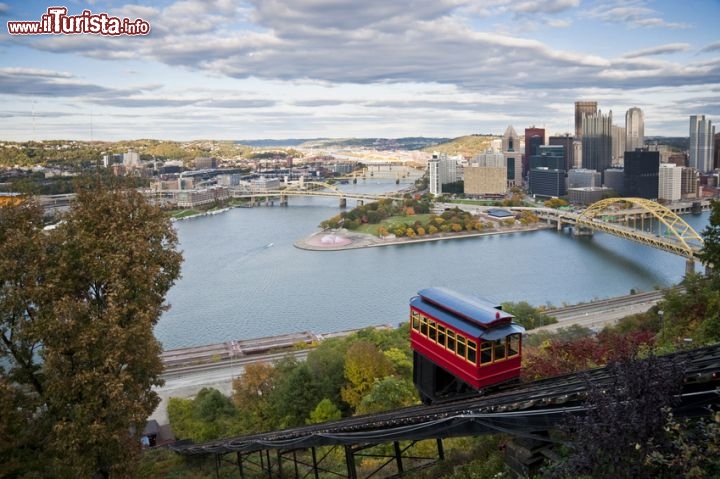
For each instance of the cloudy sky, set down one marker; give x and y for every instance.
(349, 68)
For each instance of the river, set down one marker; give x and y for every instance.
(242, 277)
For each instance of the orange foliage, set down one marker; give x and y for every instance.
(556, 357)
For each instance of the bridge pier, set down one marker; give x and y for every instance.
(360, 202)
(343, 202)
(283, 200)
(580, 231)
(689, 266)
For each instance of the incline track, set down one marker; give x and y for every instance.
(534, 406)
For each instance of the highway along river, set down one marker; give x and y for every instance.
(242, 277)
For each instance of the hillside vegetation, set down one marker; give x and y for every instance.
(467, 146)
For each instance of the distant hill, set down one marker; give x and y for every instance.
(678, 143)
(408, 143)
(267, 143)
(467, 146)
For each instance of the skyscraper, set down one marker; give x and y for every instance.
(513, 156)
(583, 108)
(702, 134)
(597, 141)
(566, 141)
(534, 137)
(634, 129)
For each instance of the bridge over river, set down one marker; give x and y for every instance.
(636, 219)
(317, 188)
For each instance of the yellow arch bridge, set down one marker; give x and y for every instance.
(636, 219)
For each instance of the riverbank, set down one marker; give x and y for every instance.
(342, 239)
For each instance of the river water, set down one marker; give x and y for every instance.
(242, 277)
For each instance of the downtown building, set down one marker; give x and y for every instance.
(512, 151)
(634, 129)
(642, 170)
(442, 170)
(567, 142)
(486, 175)
(547, 171)
(597, 141)
(702, 136)
(583, 109)
(534, 137)
(670, 182)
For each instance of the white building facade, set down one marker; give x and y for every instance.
(670, 182)
(442, 169)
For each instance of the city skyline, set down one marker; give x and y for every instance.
(332, 68)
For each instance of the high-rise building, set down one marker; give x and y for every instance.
(597, 141)
(670, 182)
(614, 178)
(534, 137)
(512, 152)
(566, 141)
(702, 136)
(690, 186)
(641, 174)
(486, 174)
(634, 129)
(618, 145)
(547, 182)
(442, 170)
(548, 156)
(582, 178)
(717, 151)
(583, 108)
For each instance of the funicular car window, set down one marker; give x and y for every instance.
(472, 351)
(461, 346)
(441, 335)
(499, 346)
(432, 333)
(513, 345)
(415, 318)
(451, 340)
(486, 348)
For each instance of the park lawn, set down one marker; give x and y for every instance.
(393, 222)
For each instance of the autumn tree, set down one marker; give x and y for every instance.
(77, 309)
(364, 363)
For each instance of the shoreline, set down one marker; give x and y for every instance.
(343, 240)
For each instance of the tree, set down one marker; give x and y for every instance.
(210, 415)
(710, 254)
(77, 311)
(323, 412)
(527, 315)
(388, 393)
(624, 423)
(251, 393)
(364, 363)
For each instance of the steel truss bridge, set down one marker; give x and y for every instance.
(316, 188)
(527, 411)
(644, 221)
